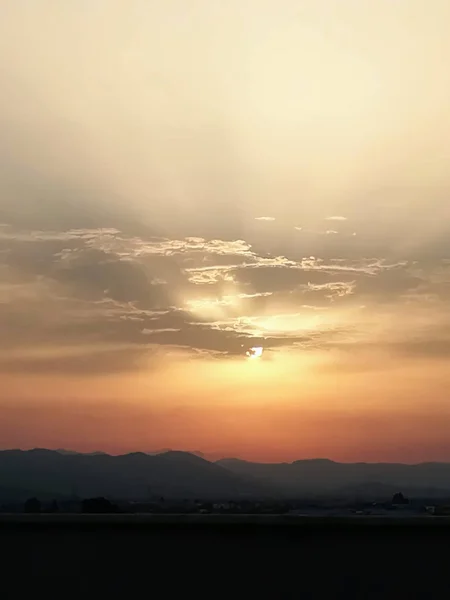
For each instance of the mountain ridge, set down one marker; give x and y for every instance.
(179, 474)
(323, 476)
(134, 475)
(231, 459)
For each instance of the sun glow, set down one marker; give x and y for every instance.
(255, 352)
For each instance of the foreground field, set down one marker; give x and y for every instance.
(109, 556)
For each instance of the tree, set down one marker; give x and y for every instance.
(399, 498)
(32, 505)
(97, 506)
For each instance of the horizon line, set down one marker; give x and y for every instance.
(203, 456)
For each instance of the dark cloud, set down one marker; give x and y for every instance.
(86, 363)
(426, 348)
(280, 279)
(119, 280)
(389, 284)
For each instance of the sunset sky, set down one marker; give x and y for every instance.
(183, 180)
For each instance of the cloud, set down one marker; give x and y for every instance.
(284, 330)
(8, 233)
(157, 331)
(136, 247)
(336, 218)
(89, 361)
(334, 290)
(264, 218)
(429, 345)
(430, 348)
(206, 296)
(209, 275)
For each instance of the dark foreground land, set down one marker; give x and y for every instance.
(131, 556)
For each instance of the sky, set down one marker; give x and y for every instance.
(181, 182)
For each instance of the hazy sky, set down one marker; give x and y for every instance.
(183, 180)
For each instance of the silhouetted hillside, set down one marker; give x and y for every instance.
(64, 451)
(137, 476)
(50, 474)
(323, 476)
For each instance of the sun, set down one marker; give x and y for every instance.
(255, 352)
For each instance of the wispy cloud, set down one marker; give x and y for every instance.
(163, 330)
(209, 275)
(207, 295)
(336, 289)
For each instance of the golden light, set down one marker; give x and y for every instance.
(255, 352)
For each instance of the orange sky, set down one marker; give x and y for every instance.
(183, 181)
(255, 411)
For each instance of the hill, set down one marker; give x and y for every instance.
(132, 476)
(176, 474)
(326, 477)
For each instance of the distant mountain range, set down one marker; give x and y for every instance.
(131, 476)
(321, 477)
(174, 474)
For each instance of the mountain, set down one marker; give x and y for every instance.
(165, 450)
(176, 474)
(132, 476)
(63, 451)
(326, 477)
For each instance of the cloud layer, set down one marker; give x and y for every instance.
(110, 299)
